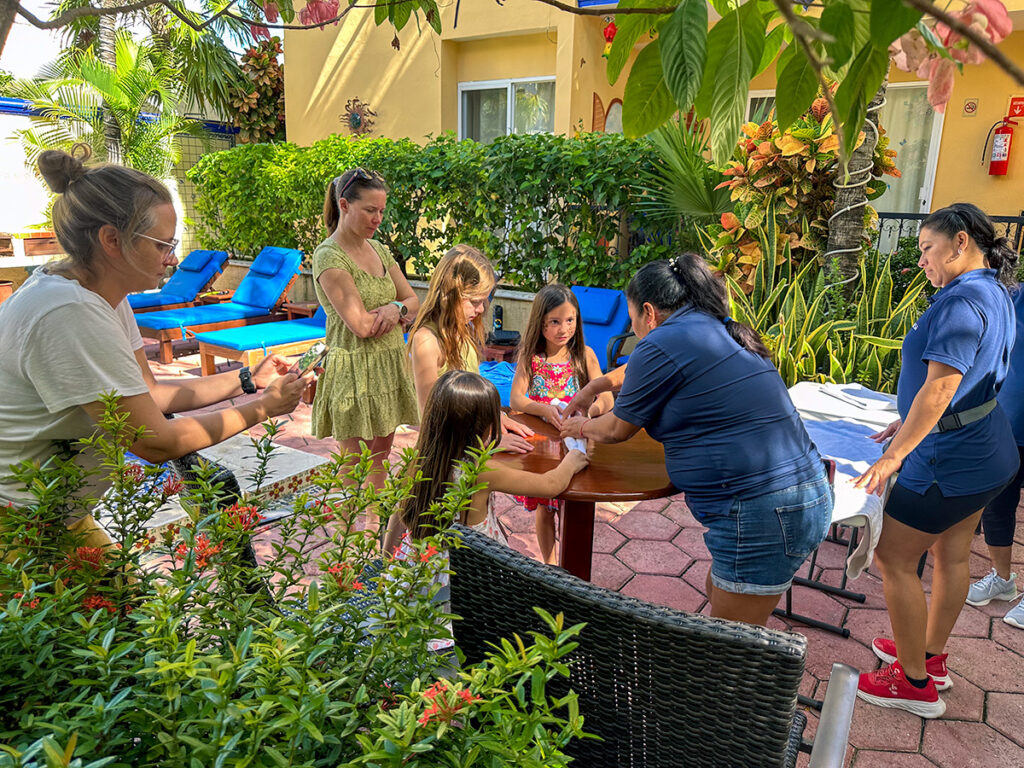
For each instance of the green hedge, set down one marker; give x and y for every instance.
(541, 206)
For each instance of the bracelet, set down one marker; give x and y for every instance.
(589, 419)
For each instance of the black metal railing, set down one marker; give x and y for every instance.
(896, 227)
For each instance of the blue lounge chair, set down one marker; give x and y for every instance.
(257, 296)
(605, 319)
(193, 276)
(251, 343)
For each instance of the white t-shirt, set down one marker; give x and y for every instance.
(61, 347)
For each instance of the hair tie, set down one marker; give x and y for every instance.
(726, 320)
(674, 266)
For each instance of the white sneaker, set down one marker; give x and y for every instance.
(992, 587)
(1015, 616)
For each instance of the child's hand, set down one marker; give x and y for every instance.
(551, 414)
(514, 443)
(577, 461)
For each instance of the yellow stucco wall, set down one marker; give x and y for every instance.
(961, 175)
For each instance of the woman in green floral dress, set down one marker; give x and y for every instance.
(366, 389)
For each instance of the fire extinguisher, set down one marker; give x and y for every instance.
(1001, 134)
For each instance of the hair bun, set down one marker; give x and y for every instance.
(59, 169)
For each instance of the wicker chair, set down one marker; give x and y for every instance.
(660, 687)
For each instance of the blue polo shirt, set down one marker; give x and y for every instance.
(969, 326)
(1011, 396)
(723, 414)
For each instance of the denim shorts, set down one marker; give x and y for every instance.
(761, 542)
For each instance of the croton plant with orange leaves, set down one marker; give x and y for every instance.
(795, 170)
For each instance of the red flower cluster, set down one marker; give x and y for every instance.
(203, 548)
(428, 553)
(133, 473)
(95, 602)
(87, 558)
(345, 576)
(320, 13)
(444, 707)
(33, 603)
(172, 485)
(242, 517)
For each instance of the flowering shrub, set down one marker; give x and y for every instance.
(170, 649)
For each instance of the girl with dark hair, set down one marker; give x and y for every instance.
(366, 390)
(953, 448)
(553, 364)
(463, 411)
(69, 335)
(701, 384)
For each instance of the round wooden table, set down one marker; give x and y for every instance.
(629, 471)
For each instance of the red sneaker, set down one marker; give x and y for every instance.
(885, 649)
(889, 687)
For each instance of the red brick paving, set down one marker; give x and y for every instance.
(641, 549)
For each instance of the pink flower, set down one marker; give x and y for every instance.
(133, 473)
(172, 485)
(258, 30)
(940, 83)
(319, 12)
(909, 51)
(271, 12)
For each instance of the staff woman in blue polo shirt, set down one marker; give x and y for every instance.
(953, 448)
(702, 384)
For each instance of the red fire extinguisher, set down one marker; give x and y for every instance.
(1001, 134)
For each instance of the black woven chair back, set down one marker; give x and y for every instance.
(660, 687)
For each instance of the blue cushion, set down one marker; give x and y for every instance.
(268, 277)
(598, 306)
(605, 314)
(155, 299)
(192, 275)
(500, 374)
(189, 316)
(265, 334)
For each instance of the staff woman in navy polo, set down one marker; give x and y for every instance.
(702, 384)
(954, 450)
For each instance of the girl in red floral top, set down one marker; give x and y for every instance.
(553, 364)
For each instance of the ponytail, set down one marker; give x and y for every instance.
(332, 214)
(669, 285)
(971, 220)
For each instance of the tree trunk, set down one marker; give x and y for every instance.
(105, 52)
(8, 10)
(846, 227)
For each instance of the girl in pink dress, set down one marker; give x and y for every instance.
(553, 365)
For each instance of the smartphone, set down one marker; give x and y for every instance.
(311, 358)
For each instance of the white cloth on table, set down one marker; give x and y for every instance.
(840, 419)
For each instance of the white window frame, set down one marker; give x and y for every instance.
(488, 85)
(756, 94)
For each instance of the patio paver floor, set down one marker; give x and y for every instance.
(654, 551)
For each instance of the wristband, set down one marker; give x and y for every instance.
(589, 419)
(248, 385)
(402, 309)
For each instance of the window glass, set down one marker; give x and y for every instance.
(534, 107)
(485, 114)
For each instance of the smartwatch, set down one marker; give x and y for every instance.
(402, 309)
(248, 385)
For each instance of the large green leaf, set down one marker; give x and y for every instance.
(402, 13)
(743, 38)
(866, 73)
(772, 44)
(647, 102)
(630, 29)
(837, 22)
(433, 14)
(890, 19)
(797, 86)
(683, 42)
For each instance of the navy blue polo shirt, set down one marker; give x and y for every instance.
(969, 326)
(723, 414)
(1011, 396)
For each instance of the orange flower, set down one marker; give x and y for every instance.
(429, 553)
(95, 602)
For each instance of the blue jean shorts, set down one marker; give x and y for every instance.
(759, 545)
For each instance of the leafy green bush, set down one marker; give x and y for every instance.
(540, 206)
(171, 650)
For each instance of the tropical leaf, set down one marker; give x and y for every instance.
(889, 20)
(743, 37)
(631, 27)
(683, 42)
(797, 86)
(647, 102)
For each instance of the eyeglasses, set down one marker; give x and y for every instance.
(170, 245)
(357, 173)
